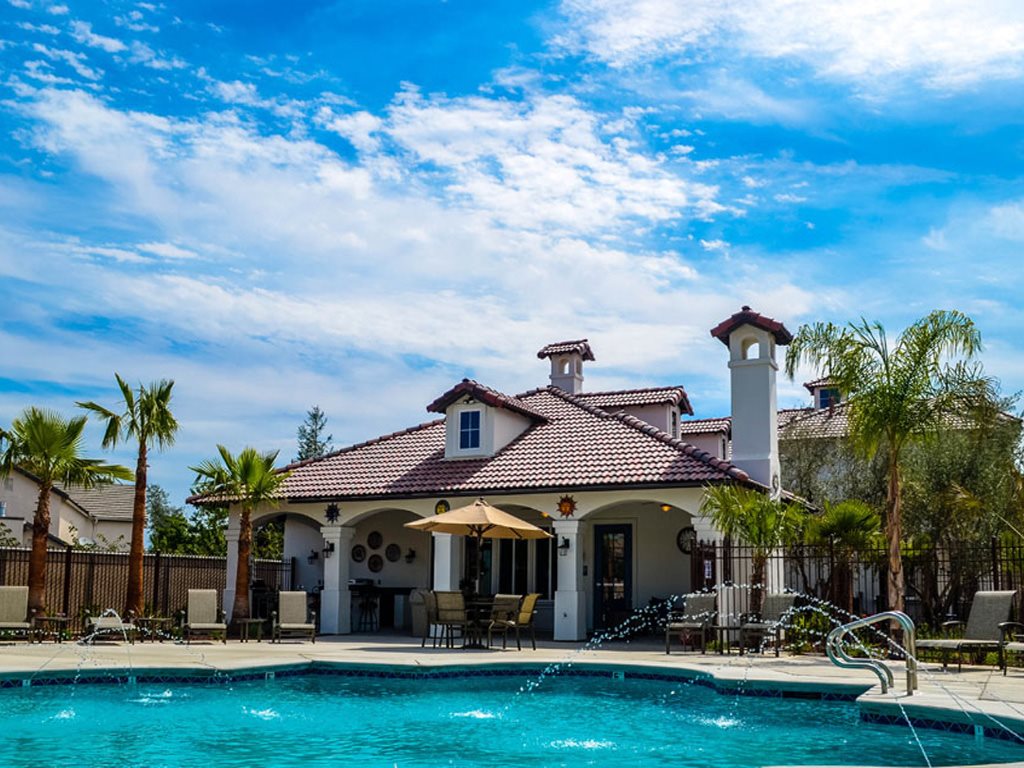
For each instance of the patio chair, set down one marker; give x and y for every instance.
(690, 617)
(451, 615)
(202, 616)
(502, 617)
(292, 617)
(14, 613)
(770, 622)
(430, 626)
(983, 631)
(109, 624)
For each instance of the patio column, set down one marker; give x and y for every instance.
(447, 562)
(231, 536)
(570, 597)
(335, 602)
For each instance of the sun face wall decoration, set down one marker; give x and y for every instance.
(567, 506)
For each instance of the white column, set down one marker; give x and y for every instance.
(570, 597)
(231, 536)
(447, 562)
(335, 602)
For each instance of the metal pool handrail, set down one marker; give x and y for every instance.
(836, 649)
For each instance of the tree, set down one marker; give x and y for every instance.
(754, 518)
(250, 480)
(848, 528)
(312, 444)
(169, 527)
(897, 394)
(147, 420)
(48, 446)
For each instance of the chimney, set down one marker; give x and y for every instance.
(752, 339)
(567, 363)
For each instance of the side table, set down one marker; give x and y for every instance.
(50, 626)
(723, 634)
(245, 627)
(154, 627)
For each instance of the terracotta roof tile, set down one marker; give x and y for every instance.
(470, 388)
(705, 426)
(578, 446)
(747, 316)
(579, 346)
(636, 397)
(824, 381)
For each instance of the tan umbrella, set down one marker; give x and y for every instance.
(481, 521)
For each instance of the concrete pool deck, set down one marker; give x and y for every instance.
(977, 696)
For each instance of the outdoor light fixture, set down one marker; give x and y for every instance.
(332, 513)
(563, 548)
(666, 507)
(313, 556)
(410, 555)
(328, 549)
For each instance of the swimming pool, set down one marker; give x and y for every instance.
(329, 720)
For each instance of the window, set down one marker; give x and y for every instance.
(528, 566)
(469, 430)
(675, 424)
(828, 397)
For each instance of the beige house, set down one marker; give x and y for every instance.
(607, 473)
(100, 516)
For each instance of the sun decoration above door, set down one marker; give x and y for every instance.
(441, 507)
(566, 506)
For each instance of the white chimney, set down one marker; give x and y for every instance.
(567, 363)
(752, 339)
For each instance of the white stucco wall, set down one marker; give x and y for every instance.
(302, 536)
(22, 495)
(712, 443)
(391, 525)
(659, 416)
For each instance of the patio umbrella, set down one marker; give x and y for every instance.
(481, 521)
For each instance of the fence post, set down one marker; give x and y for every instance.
(66, 599)
(156, 585)
(995, 562)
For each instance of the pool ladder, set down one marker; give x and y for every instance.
(835, 647)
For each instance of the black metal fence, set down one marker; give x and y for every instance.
(87, 580)
(940, 581)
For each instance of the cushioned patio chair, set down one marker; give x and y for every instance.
(202, 616)
(983, 631)
(451, 615)
(109, 626)
(14, 613)
(292, 617)
(770, 622)
(523, 619)
(691, 617)
(502, 618)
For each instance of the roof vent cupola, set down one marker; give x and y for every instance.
(567, 363)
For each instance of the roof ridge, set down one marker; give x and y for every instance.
(363, 444)
(629, 391)
(575, 400)
(706, 418)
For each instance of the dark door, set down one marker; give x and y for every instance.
(613, 575)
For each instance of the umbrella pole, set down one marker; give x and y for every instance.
(479, 560)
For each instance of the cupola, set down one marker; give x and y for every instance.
(567, 363)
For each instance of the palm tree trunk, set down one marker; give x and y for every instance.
(758, 562)
(240, 610)
(37, 559)
(894, 536)
(133, 603)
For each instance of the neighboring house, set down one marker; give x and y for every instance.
(605, 472)
(100, 516)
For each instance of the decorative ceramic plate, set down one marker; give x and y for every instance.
(358, 553)
(392, 553)
(376, 562)
(374, 540)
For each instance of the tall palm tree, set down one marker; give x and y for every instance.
(250, 480)
(48, 446)
(848, 527)
(754, 518)
(897, 394)
(147, 420)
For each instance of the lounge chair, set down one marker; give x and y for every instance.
(14, 613)
(503, 615)
(451, 615)
(202, 616)
(770, 622)
(109, 624)
(295, 619)
(983, 631)
(691, 617)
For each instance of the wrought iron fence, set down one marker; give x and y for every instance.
(87, 580)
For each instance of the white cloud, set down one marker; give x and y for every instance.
(134, 20)
(1007, 221)
(82, 32)
(58, 10)
(23, 4)
(74, 60)
(944, 44)
(46, 29)
(144, 54)
(167, 251)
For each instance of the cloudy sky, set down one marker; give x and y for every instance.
(356, 204)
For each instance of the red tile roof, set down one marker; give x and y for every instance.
(824, 381)
(579, 346)
(705, 426)
(746, 316)
(486, 395)
(635, 397)
(578, 447)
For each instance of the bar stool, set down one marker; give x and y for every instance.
(368, 620)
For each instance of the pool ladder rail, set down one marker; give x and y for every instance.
(835, 647)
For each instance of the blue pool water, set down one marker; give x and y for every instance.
(330, 721)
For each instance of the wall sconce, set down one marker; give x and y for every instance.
(666, 507)
(332, 513)
(410, 555)
(563, 548)
(329, 549)
(313, 556)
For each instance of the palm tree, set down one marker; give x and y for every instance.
(897, 394)
(755, 519)
(48, 446)
(848, 528)
(146, 419)
(250, 480)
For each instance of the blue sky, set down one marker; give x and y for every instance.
(356, 204)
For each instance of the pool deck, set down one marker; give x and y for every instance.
(977, 695)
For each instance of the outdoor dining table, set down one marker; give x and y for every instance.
(478, 616)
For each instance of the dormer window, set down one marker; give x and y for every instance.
(469, 430)
(828, 397)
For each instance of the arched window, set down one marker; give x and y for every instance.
(751, 349)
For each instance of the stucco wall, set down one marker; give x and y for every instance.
(302, 536)
(390, 524)
(22, 495)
